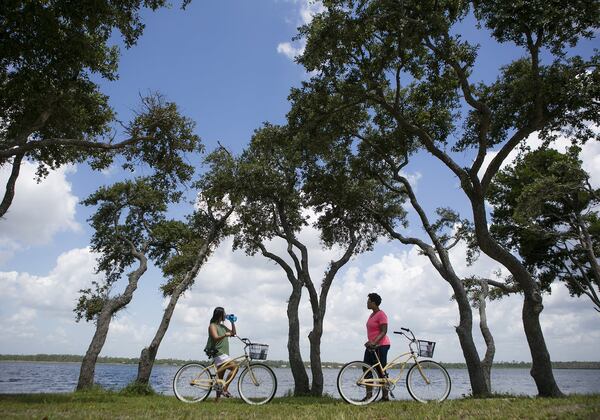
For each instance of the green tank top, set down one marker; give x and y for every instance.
(221, 346)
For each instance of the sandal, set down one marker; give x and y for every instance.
(226, 394)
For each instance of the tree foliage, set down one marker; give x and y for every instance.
(406, 65)
(51, 109)
(129, 220)
(546, 210)
(206, 226)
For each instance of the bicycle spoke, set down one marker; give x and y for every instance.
(257, 384)
(429, 383)
(356, 383)
(192, 383)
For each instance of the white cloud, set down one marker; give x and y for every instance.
(307, 9)
(38, 211)
(256, 290)
(590, 155)
(413, 178)
(414, 296)
(125, 327)
(56, 293)
(19, 324)
(291, 51)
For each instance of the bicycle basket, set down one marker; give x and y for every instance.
(426, 348)
(258, 351)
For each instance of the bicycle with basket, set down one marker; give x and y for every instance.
(360, 384)
(257, 382)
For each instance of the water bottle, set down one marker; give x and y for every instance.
(231, 318)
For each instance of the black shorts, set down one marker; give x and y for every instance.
(382, 352)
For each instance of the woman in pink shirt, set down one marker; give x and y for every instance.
(378, 341)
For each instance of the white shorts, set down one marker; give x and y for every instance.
(222, 358)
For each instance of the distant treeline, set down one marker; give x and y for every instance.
(274, 363)
(77, 359)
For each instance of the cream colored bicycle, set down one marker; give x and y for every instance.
(359, 383)
(257, 382)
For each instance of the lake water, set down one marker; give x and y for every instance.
(35, 377)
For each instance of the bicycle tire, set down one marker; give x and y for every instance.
(439, 385)
(257, 384)
(192, 383)
(349, 387)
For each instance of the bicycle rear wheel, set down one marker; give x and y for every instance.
(353, 380)
(257, 384)
(431, 383)
(192, 383)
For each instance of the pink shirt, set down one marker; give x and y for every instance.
(373, 323)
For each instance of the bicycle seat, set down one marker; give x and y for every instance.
(211, 352)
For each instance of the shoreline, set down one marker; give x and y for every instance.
(587, 365)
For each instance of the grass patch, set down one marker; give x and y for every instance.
(137, 389)
(105, 405)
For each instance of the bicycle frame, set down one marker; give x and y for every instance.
(213, 371)
(384, 380)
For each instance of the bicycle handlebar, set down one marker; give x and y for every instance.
(246, 341)
(406, 335)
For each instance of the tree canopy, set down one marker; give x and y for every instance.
(52, 111)
(546, 210)
(405, 66)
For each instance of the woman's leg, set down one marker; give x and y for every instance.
(369, 359)
(220, 375)
(382, 352)
(233, 369)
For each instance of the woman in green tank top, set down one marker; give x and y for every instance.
(218, 339)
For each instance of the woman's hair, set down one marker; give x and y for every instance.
(218, 315)
(375, 298)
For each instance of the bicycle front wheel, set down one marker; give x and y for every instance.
(355, 383)
(430, 383)
(257, 384)
(192, 383)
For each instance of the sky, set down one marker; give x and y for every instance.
(229, 65)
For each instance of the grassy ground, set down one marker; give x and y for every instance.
(115, 406)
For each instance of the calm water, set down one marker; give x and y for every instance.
(32, 377)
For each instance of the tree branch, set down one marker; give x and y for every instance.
(425, 138)
(503, 286)
(508, 147)
(27, 147)
(288, 270)
(9, 194)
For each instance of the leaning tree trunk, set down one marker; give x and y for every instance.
(464, 330)
(439, 258)
(112, 306)
(21, 140)
(490, 352)
(314, 338)
(88, 364)
(148, 354)
(541, 366)
(9, 194)
(318, 304)
(294, 354)
(296, 364)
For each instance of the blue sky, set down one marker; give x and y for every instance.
(227, 64)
